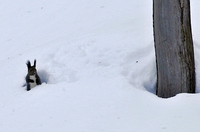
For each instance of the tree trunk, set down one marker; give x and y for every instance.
(173, 47)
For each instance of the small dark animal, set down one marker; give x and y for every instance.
(32, 78)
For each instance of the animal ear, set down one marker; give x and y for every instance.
(35, 63)
(28, 64)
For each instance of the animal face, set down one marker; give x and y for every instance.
(31, 69)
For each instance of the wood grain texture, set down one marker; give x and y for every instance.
(173, 47)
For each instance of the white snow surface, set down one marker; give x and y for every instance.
(96, 61)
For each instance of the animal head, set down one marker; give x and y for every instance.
(31, 69)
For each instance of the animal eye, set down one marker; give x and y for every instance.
(32, 70)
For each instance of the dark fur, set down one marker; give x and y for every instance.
(32, 72)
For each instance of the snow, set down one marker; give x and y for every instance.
(97, 65)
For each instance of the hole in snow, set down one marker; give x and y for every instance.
(44, 76)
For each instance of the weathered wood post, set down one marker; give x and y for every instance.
(173, 47)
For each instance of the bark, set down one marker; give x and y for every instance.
(173, 47)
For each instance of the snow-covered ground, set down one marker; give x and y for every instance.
(97, 64)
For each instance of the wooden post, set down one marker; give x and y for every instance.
(173, 47)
